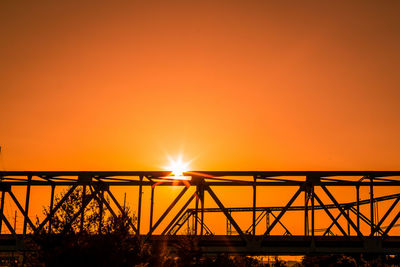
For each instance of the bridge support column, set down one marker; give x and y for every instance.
(371, 194)
(312, 212)
(358, 205)
(101, 211)
(202, 208)
(139, 204)
(309, 197)
(254, 205)
(196, 213)
(83, 209)
(306, 199)
(3, 194)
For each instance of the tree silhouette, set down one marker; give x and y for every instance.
(69, 245)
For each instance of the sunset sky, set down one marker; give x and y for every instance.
(231, 85)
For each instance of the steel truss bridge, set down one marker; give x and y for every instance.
(348, 230)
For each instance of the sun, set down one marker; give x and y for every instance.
(177, 166)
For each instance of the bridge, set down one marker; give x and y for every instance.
(349, 226)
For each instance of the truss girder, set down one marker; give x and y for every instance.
(100, 186)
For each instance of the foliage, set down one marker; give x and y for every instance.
(330, 260)
(69, 246)
(62, 220)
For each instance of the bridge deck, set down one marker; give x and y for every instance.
(286, 245)
(256, 245)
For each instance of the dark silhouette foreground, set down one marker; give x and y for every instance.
(99, 239)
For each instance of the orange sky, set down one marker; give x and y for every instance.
(237, 85)
(234, 85)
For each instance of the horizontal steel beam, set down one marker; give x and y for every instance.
(5, 184)
(213, 178)
(205, 173)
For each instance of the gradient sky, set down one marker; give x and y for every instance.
(233, 85)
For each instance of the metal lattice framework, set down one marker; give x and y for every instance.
(378, 239)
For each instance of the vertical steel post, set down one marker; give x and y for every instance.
(254, 205)
(83, 209)
(358, 206)
(139, 204)
(202, 210)
(101, 211)
(312, 211)
(371, 192)
(376, 213)
(306, 210)
(3, 194)
(196, 211)
(28, 193)
(151, 206)
(51, 205)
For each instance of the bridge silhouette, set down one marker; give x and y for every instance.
(345, 230)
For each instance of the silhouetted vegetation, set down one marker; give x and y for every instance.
(330, 260)
(102, 240)
(352, 260)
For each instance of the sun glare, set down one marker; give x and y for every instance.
(178, 167)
